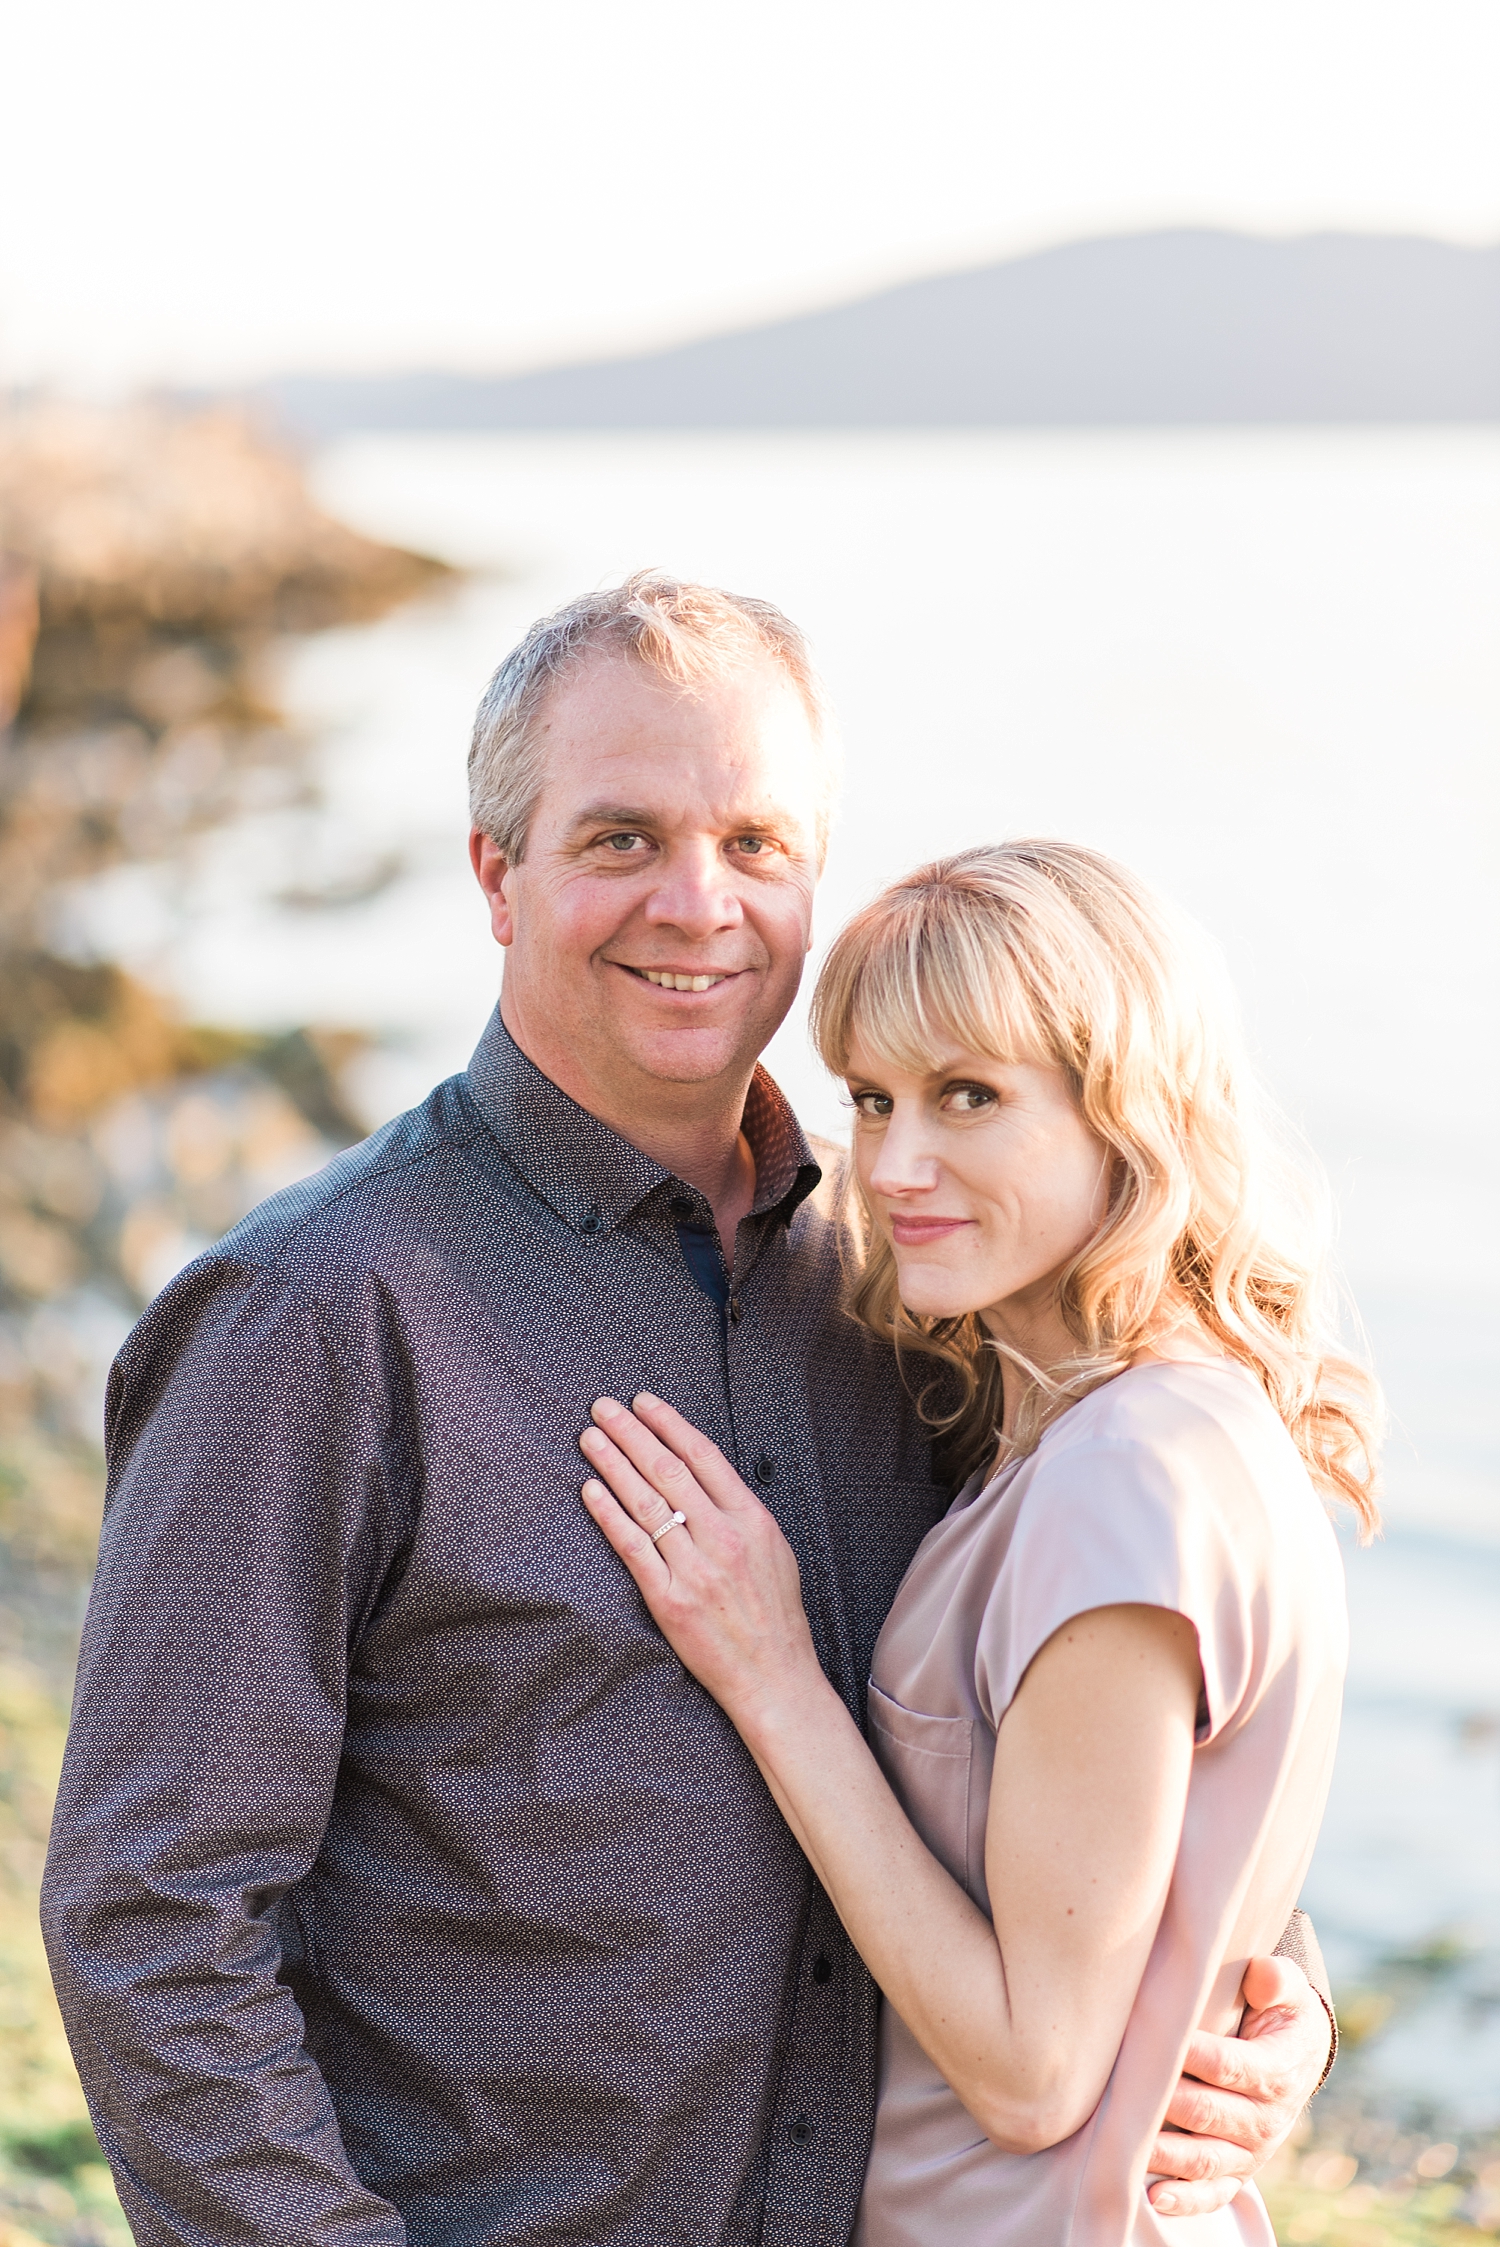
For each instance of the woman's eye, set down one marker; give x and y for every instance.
(752, 845)
(968, 1099)
(873, 1103)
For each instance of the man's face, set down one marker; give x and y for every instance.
(659, 920)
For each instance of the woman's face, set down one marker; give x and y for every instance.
(986, 1181)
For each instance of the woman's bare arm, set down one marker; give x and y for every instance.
(1024, 2017)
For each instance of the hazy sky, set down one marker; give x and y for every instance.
(195, 189)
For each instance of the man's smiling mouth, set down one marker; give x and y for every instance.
(667, 979)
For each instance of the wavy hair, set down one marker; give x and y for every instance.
(1046, 952)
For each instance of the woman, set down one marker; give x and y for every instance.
(1104, 1706)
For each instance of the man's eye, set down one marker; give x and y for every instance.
(873, 1103)
(753, 845)
(622, 843)
(968, 1099)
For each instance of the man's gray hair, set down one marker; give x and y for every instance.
(687, 633)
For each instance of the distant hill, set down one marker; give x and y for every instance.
(1173, 327)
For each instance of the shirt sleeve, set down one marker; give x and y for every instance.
(1299, 1942)
(1123, 1521)
(258, 1497)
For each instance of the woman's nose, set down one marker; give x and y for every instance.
(903, 1163)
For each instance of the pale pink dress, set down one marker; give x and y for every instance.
(1173, 1486)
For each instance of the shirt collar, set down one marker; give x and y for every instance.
(590, 1175)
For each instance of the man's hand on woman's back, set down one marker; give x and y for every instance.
(1239, 2096)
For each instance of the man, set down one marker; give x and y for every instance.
(403, 1885)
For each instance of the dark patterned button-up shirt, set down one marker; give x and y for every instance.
(403, 1884)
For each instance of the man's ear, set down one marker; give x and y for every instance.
(491, 867)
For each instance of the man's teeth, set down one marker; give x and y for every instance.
(681, 982)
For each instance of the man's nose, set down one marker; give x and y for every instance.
(695, 892)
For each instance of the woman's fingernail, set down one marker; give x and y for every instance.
(591, 1439)
(607, 1404)
(644, 1396)
(1166, 2202)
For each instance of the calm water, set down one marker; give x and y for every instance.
(1264, 668)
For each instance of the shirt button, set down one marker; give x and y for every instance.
(592, 1222)
(682, 1208)
(800, 2131)
(822, 1968)
(733, 1308)
(765, 1468)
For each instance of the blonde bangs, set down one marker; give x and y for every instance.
(925, 970)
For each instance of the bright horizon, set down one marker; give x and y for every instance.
(216, 195)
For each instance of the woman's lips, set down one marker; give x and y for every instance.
(917, 1232)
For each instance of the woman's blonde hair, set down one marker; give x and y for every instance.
(1043, 951)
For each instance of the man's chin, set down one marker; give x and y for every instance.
(691, 1055)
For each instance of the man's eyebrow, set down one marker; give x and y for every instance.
(616, 815)
(761, 822)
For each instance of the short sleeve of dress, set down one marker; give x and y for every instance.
(1154, 1505)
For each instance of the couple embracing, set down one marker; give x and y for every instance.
(647, 1686)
